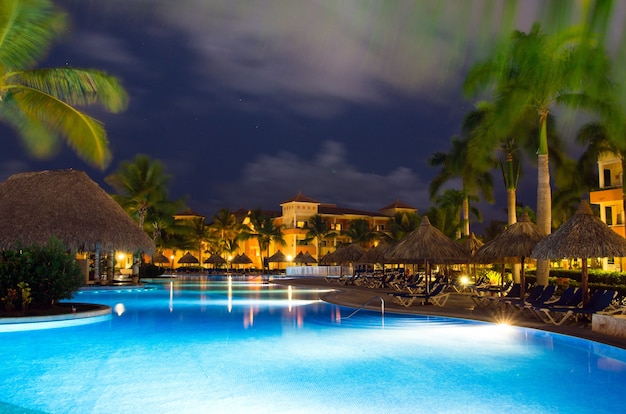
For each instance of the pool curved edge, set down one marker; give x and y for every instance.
(27, 323)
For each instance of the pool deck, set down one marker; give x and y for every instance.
(459, 305)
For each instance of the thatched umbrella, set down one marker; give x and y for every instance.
(277, 257)
(160, 258)
(516, 241)
(215, 259)
(308, 258)
(67, 205)
(377, 254)
(242, 259)
(188, 258)
(471, 244)
(304, 258)
(351, 253)
(429, 245)
(583, 236)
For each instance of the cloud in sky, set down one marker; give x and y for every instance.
(326, 176)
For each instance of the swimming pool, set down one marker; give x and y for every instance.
(239, 346)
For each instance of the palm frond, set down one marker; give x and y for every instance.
(26, 30)
(81, 87)
(83, 134)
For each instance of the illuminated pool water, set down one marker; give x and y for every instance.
(199, 347)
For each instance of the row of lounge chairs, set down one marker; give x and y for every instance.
(436, 295)
(541, 303)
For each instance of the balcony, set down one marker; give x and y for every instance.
(605, 195)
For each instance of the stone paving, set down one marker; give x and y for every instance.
(458, 305)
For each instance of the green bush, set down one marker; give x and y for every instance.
(50, 271)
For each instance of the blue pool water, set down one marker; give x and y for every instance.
(237, 346)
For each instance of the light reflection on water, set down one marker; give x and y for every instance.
(230, 345)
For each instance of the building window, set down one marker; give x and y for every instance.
(608, 212)
(607, 178)
(335, 226)
(301, 224)
(380, 227)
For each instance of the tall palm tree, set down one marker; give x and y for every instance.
(225, 224)
(540, 71)
(198, 233)
(140, 185)
(445, 215)
(318, 230)
(265, 231)
(475, 178)
(40, 104)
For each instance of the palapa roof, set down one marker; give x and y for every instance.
(377, 254)
(516, 241)
(427, 243)
(188, 258)
(67, 205)
(304, 258)
(215, 259)
(351, 253)
(160, 258)
(582, 236)
(277, 257)
(242, 259)
(471, 244)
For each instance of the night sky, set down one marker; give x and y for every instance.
(248, 102)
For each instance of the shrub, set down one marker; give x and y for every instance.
(50, 272)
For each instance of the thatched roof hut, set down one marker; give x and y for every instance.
(160, 258)
(242, 259)
(215, 259)
(583, 236)
(304, 258)
(516, 241)
(67, 205)
(377, 254)
(428, 244)
(188, 258)
(351, 253)
(278, 257)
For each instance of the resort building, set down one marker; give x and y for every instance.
(610, 200)
(295, 215)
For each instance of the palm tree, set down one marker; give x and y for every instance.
(265, 231)
(358, 231)
(198, 233)
(225, 224)
(401, 224)
(475, 178)
(318, 230)
(540, 71)
(40, 104)
(445, 215)
(140, 185)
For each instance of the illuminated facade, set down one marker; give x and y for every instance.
(294, 216)
(609, 197)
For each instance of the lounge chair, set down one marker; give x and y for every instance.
(545, 296)
(532, 295)
(437, 296)
(599, 301)
(485, 300)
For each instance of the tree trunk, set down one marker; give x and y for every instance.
(511, 201)
(544, 197)
(466, 225)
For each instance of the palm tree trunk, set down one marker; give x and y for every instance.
(466, 224)
(544, 195)
(511, 201)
